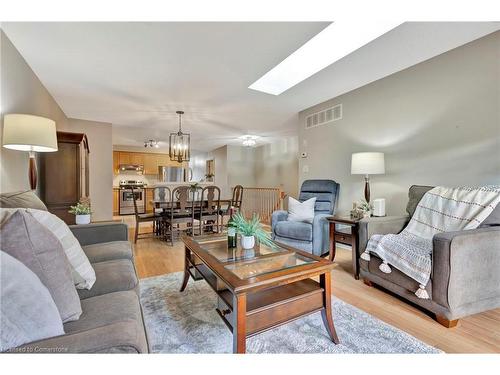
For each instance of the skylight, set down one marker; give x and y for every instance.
(331, 44)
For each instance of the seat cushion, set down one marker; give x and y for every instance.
(294, 230)
(111, 276)
(101, 252)
(110, 323)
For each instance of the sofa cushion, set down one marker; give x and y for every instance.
(111, 323)
(36, 247)
(101, 252)
(27, 310)
(112, 276)
(294, 230)
(415, 194)
(22, 199)
(82, 272)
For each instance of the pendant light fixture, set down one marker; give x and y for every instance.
(179, 144)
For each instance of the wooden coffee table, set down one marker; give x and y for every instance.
(261, 288)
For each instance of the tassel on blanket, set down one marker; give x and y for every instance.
(384, 267)
(421, 292)
(365, 256)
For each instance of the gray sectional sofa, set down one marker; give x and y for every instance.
(112, 320)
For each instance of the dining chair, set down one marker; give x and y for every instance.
(235, 203)
(180, 211)
(143, 218)
(161, 194)
(207, 211)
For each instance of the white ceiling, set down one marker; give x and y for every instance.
(136, 75)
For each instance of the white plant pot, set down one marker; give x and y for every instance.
(82, 219)
(247, 242)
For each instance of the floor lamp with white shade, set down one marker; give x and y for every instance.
(29, 133)
(367, 163)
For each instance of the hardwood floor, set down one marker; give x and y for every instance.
(479, 333)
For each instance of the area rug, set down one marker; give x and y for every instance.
(188, 323)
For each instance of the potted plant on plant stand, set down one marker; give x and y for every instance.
(249, 230)
(82, 213)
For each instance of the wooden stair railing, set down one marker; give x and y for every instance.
(262, 201)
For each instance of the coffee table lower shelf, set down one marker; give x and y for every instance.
(272, 307)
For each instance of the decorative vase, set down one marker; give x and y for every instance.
(247, 242)
(82, 219)
(367, 214)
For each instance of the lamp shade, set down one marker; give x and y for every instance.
(29, 133)
(368, 163)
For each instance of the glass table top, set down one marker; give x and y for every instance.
(254, 262)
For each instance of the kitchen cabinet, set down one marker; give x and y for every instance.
(163, 160)
(124, 157)
(150, 164)
(116, 162)
(64, 175)
(116, 201)
(149, 198)
(136, 158)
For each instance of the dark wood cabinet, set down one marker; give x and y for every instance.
(64, 175)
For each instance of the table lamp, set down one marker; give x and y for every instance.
(367, 163)
(32, 134)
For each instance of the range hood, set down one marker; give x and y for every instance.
(132, 167)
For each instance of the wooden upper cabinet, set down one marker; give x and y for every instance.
(136, 158)
(163, 160)
(124, 157)
(150, 164)
(116, 162)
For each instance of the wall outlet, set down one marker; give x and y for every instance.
(303, 155)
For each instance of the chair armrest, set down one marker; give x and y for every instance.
(277, 216)
(379, 225)
(465, 268)
(89, 234)
(321, 235)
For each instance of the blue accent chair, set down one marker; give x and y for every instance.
(313, 238)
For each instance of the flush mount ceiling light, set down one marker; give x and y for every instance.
(179, 144)
(151, 143)
(249, 140)
(331, 44)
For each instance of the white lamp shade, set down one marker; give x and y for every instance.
(29, 133)
(368, 163)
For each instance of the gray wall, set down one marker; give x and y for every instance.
(22, 92)
(277, 165)
(438, 123)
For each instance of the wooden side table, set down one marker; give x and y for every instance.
(345, 237)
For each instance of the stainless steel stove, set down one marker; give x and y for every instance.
(127, 197)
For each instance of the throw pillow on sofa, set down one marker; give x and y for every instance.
(22, 199)
(82, 272)
(301, 211)
(37, 248)
(27, 312)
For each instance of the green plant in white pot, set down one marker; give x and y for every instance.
(82, 213)
(251, 229)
